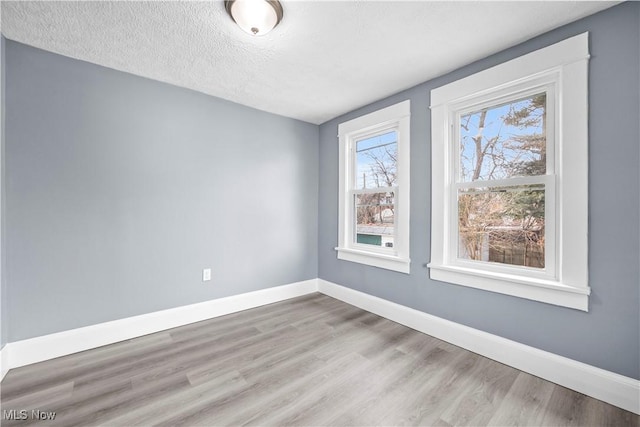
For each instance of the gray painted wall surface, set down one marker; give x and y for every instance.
(120, 190)
(608, 335)
(3, 288)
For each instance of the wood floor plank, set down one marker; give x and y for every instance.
(270, 395)
(40, 398)
(451, 381)
(325, 314)
(311, 360)
(181, 403)
(89, 401)
(525, 402)
(253, 365)
(59, 371)
(569, 408)
(412, 394)
(126, 368)
(305, 395)
(245, 318)
(368, 408)
(484, 392)
(387, 367)
(139, 395)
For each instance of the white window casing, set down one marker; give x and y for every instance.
(393, 118)
(561, 71)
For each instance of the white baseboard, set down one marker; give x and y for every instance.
(38, 349)
(607, 386)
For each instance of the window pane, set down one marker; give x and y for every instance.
(376, 161)
(503, 225)
(504, 141)
(375, 219)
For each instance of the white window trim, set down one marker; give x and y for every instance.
(566, 65)
(395, 117)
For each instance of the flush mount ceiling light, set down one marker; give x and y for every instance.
(256, 17)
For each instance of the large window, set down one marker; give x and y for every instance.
(374, 189)
(509, 200)
(503, 194)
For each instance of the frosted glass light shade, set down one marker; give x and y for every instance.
(256, 17)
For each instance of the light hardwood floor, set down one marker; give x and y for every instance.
(308, 361)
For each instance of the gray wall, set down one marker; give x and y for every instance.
(3, 289)
(608, 335)
(120, 190)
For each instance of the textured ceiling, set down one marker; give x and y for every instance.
(325, 58)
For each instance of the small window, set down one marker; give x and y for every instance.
(374, 185)
(509, 177)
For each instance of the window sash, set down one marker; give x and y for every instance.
(353, 155)
(353, 242)
(456, 111)
(543, 85)
(353, 190)
(549, 271)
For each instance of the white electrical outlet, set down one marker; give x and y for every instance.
(206, 274)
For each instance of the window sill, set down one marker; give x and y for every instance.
(388, 262)
(547, 291)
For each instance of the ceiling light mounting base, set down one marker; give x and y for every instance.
(255, 17)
